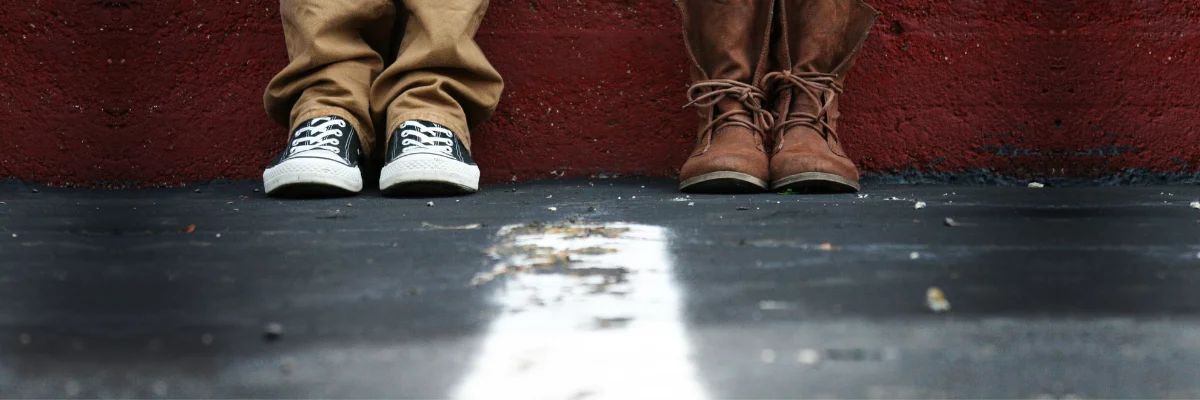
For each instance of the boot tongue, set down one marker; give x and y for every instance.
(803, 103)
(729, 104)
(806, 104)
(825, 35)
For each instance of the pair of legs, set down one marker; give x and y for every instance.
(408, 68)
(767, 75)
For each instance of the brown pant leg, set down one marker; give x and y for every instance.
(440, 74)
(334, 51)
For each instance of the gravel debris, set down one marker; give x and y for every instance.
(774, 305)
(808, 357)
(936, 300)
(444, 227)
(273, 331)
(767, 356)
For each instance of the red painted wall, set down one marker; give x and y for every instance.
(168, 92)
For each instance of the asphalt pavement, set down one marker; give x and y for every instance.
(601, 289)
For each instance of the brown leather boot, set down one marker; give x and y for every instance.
(816, 42)
(727, 41)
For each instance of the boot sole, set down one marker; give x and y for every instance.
(816, 183)
(723, 182)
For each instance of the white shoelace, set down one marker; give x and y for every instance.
(322, 134)
(422, 139)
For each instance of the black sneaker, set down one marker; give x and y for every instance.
(320, 160)
(427, 159)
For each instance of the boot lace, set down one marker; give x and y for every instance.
(320, 134)
(706, 94)
(821, 88)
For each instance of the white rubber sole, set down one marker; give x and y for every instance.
(312, 175)
(428, 174)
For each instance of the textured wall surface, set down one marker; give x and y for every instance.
(168, 92)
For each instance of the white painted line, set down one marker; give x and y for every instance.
(589, 312)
